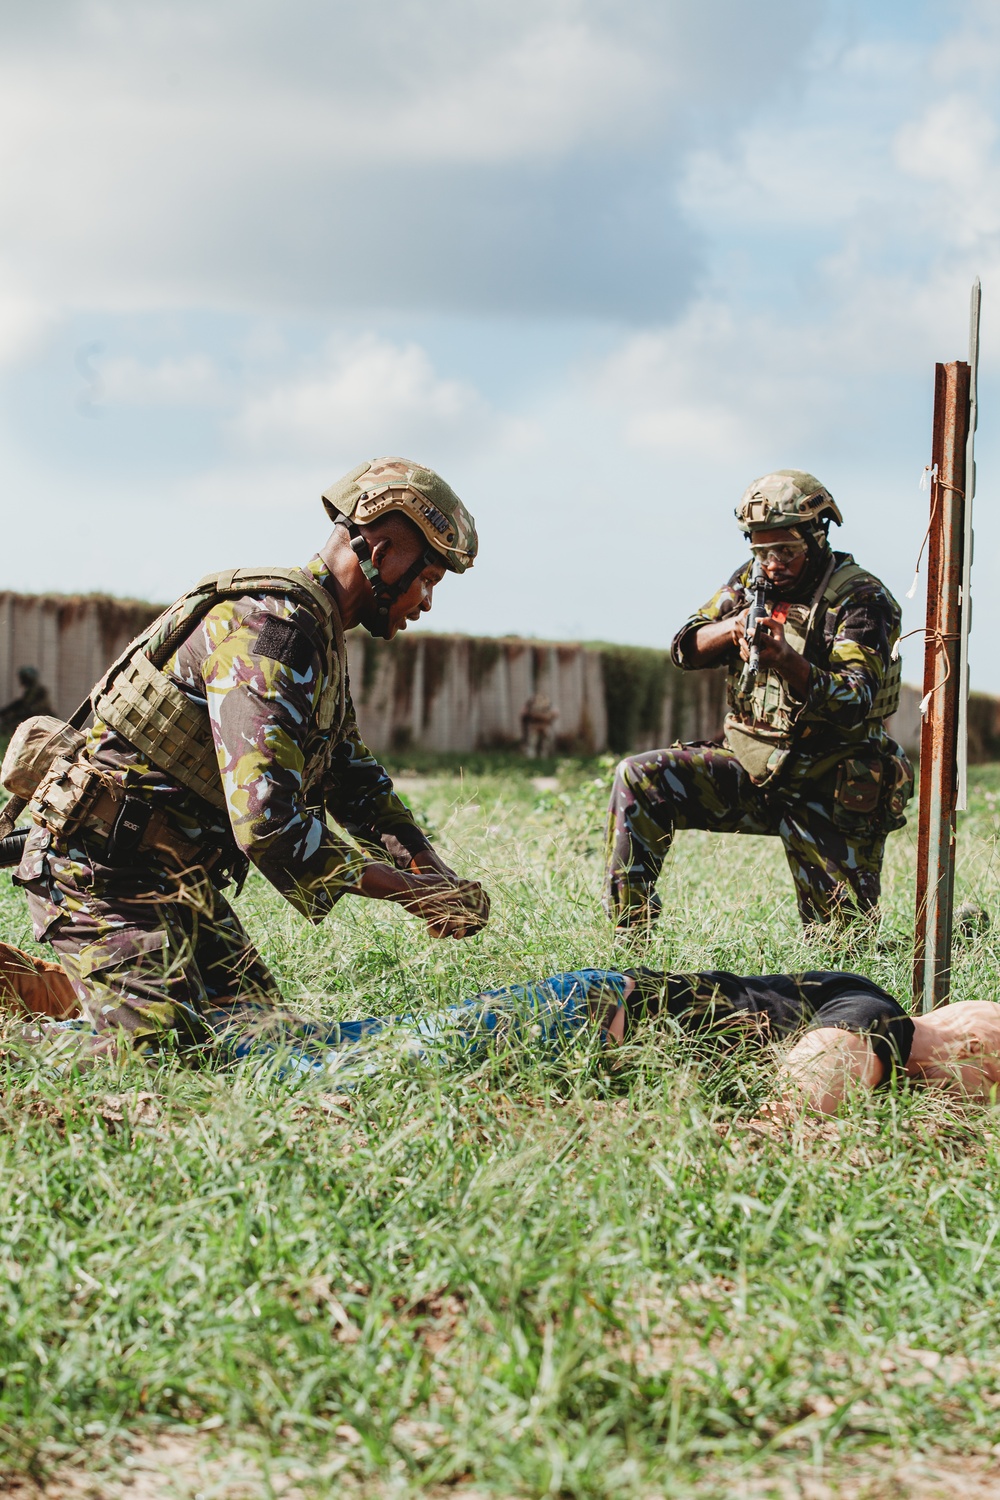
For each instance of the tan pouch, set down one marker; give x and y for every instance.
(34, 748)
(65, 800)
(761, 752)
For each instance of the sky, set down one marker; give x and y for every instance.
(600, 264)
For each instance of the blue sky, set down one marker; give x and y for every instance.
(601, 264)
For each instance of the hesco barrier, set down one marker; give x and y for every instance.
(444, 692)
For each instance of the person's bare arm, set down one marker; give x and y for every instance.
(823, 1067)
(711, 643)
(957, 1048)
(451, 908)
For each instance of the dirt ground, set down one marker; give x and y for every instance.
(194, 1467)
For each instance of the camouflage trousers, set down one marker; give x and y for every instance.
(836, 871)
(148, 956)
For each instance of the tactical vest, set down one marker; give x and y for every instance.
(760, 726)
(140, 702)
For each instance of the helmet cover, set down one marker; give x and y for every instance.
(786, 500)
(384, 485)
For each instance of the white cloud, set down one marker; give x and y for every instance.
(25, 319)
(191, 380)
(368, 396)
(233, 154)
(779, 243)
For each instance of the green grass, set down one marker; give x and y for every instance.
(519, 1280)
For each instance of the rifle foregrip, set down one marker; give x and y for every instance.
(12, 847)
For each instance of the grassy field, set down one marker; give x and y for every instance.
(517, 1280)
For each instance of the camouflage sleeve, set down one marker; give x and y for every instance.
(360, 797)
(858, 639)
(725, 601)
(261, 708)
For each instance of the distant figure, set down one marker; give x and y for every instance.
(33, 700)
(538, 718)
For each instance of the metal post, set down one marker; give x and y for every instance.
(975, 303)
(942, 689)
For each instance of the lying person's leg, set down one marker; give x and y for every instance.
(549, 1016)
(544, 1019)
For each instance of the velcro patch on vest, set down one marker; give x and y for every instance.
(280, 640)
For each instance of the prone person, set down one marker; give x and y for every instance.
(841, 1032)
(225, 736)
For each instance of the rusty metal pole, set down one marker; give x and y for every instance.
(942, 689)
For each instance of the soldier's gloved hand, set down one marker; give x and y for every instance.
(456, 908)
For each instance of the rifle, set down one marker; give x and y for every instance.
(760, 607)
(12, 847)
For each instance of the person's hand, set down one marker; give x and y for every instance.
(769, 640)
(475, 899)
(451, 908)
(774, 649)
(472, 910)
(776, 653)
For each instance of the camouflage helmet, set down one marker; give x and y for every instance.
(788, 498)
(384, 485)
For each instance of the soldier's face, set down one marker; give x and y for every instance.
(394, 558)
(783, 555)
(417, 600)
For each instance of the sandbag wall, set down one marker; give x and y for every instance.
(444, 692)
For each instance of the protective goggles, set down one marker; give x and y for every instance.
(782, 552)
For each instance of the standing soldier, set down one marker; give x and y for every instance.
(805, 753)
(34, 699)
(538, 719)
(223, 737)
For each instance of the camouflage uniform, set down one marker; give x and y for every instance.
(150, 948)
(835, 854)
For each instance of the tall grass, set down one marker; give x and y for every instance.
(530, 1279)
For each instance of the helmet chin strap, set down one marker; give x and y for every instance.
(386, 594)
(817, 539)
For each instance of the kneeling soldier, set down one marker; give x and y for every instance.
(223, 736)
(805, 753)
